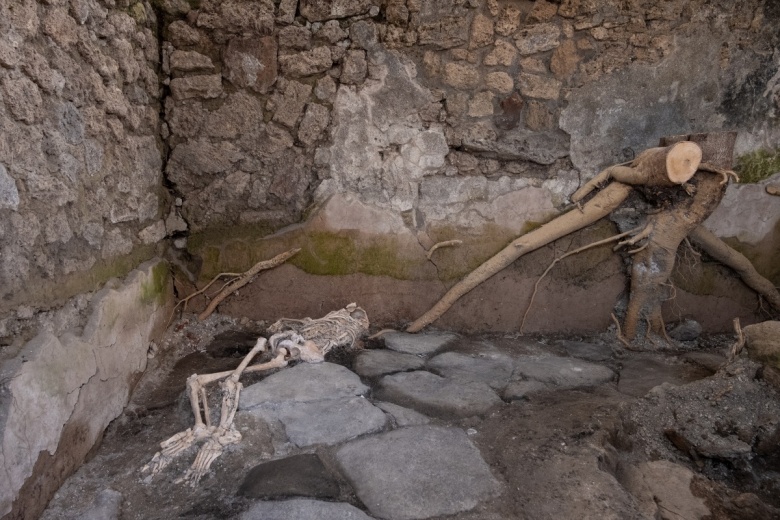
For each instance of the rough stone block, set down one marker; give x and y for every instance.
(197, 87)
(540, 87)
(190, 61)
(251, 63)
(306, 63)
(373, 363)
(537, 38)
(461, 75)
(321, 10)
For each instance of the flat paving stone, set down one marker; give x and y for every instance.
(300, 475)
(585, 350)
(328, 422)
(491, 368)
(302, 383)
(420, 344)
(436, 395)
(519, 390)
(403, 416)
(417, 472)
(304, 509)
(374, 363)
(561, 371)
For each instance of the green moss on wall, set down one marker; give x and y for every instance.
(44, 292)
(758, 165)
(154, 289)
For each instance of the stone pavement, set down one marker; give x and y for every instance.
(389, 444)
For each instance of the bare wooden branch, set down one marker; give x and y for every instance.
(446, 243)
(245, 278)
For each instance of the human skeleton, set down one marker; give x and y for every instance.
(306, 340)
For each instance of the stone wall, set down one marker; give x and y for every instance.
(63, 389)
(81, 193)
(386, 127)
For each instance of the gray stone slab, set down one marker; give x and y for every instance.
(300, 475)
(324, 422)
(586, 350)
(304, 509)
(437, 396)
(491, 368)
(421, 343)
(519, 390)
(302, 383)
(417, 472)
(374, 363)
(403, 416)
(562, 372)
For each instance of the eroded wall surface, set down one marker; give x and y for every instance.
(64, 389)
(81, 193)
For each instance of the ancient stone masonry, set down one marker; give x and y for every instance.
(80, 158)
(448, 119)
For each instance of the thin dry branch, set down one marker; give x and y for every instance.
(245, 278)
(446, 243)
(570, 253)
(184, 301)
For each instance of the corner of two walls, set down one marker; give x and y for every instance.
(365, 134)
(82, 218)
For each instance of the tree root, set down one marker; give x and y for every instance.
(596, 208)
(738, 345)
(570, 253)
(723, 253)
(244, 279)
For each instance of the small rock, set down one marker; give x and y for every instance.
(373, 363)
(321, 10)
(300, 475)
(420, 344)
(417, 472)
(403, 416)
(687, 330)
(438, 396)
(355, 68)
(541, 87)
(461, 75)
(562, 372)
(251, 63)
(303, 509)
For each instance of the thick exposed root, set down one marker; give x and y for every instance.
(596, 208)
(725, 254)
(245, 278)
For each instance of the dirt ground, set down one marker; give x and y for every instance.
(558, 453)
